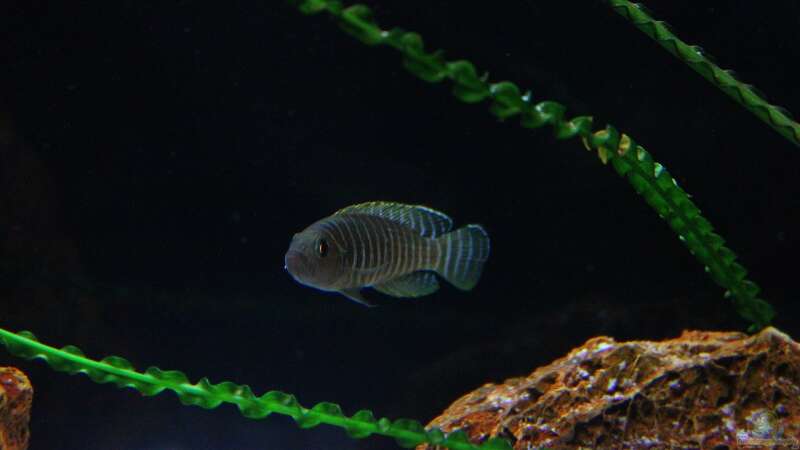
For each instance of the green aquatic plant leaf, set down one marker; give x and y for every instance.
(120, 372)
(631, 161)
(696, 58)
(469, 87)
(364, 416)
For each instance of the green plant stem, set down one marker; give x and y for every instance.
(699, 61)
(648, 178)
(118, 371)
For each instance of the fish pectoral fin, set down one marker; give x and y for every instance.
(355, 295)
(416, 284)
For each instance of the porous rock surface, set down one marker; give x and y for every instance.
(704, 390)
(16, 395)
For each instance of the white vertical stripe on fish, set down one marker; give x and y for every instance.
(398, 248)
(369, 248)
(358, 249)
(387, 254)
(331, 227)
(418, 260)
(401, 251)
(360, 241)
(428, 252)
(414, 254)
(334, 230)
(447, 257)
(434, 228)
(406, 254)
(380, 249)
(338, 240)
(350, 242)
(410, 252)
(371, 254)
(353, 247)
(365, 244)
(379, 243)
(377, 229)
(471, 244)
(392, 254)
(367, 276)
(416, 249)
(398, 255)
(438, 254)
(458, 256)
(401, 254)
(412, 222)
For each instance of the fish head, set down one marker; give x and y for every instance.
(314, 259)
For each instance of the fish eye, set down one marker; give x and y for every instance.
(322, 247)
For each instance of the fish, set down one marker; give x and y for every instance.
(397, 249)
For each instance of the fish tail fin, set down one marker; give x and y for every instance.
(462, 254)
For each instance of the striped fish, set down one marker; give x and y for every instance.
(394, 248)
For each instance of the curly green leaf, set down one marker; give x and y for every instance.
(699, 61)
(120, 372)
(649, 178)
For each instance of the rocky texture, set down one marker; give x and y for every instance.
(708, 390)
(16, 395)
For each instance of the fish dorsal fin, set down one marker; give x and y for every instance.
(428, 222)
(413, 285)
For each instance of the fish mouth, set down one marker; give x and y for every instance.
(295, 263)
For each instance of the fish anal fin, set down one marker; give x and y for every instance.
(413, 285)
(355, 295)
(426, 221)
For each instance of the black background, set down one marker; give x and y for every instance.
(156, 158)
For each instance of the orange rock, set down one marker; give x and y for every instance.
(708, 390)
(16, 395)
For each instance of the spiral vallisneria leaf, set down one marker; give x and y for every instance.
(120, 372)
(696, 58)
(631, 161)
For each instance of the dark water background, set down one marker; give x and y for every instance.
(156, 158)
